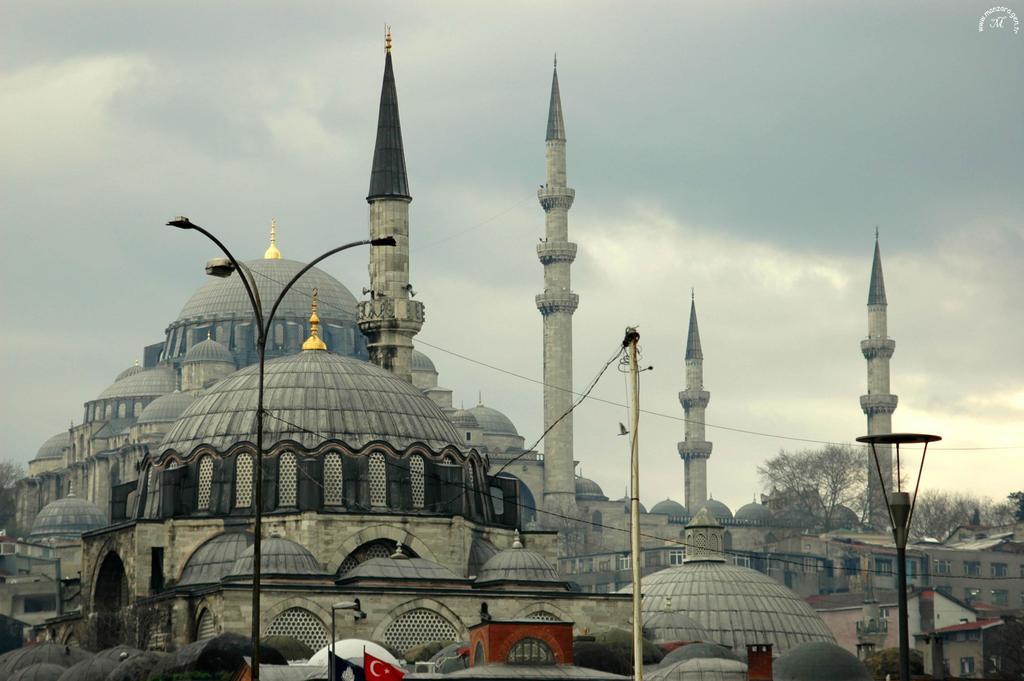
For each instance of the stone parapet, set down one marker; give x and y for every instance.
(878, 404)
(881, 348)
(689, 449)
(691, 398)
(550, 303)
(555, 197)
(386, 312)
(551, 252)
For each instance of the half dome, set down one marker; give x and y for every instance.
(518, 566)
(148, 383)
(311, 397)
(209, 350)
(213, 560)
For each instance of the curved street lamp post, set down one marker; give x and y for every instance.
(224, 267)
(901, 512)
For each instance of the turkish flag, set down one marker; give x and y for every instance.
(377, 669)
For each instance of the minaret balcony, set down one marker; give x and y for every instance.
(881, 348)
(390, 312)
(690, 398)
(555, 197)
(692, 449)
(550, 303)
(557, 251)
(878, 404)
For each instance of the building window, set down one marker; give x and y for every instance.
(596, 521)
(243, 481)
(999, 569)
(287, 480)
(883, 566)
(300, 624)
(587, 565)
(675, 557)
(972, 568)
(530, 651)
(624, 562)
(743, 561)
(1000, 597)
(378, 480)
(333, 489)
(971, 594)
(652, 559)
(604, 565)
(542, 616)
(943, 567)
(417, 627)
(966, 666)
(417, 482)
(205, 483)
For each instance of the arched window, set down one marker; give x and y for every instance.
(417, 627)
(597, 521)
(417, 480)
(136, 409)
(529, 651)
(205, 483)
(206, 627)
(243, 481)
(287, 481)
(109, 411)
(378, 480)
(122, 410)
(334, 494)
(300, 624)
(542, 616)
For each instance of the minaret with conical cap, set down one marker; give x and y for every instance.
(557, 304)
(878, 404)
(391, 318)
(694, 450)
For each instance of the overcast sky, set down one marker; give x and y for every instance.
(746, 149)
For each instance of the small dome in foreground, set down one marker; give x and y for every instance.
(817, 660)
(280, 558)
(518, 566)
(214, 559)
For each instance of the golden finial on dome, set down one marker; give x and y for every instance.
(387, 37)
(272, 253)
(314, 342)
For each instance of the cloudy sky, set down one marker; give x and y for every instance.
(746, 149)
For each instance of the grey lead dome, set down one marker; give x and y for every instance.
(55, 446)
(67, 519)
(209, 350)
(311, 397)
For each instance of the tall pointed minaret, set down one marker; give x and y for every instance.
(694, 450)
(878, 404)
(557, 305)
(391, 318)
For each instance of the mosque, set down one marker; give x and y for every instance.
(374, 485)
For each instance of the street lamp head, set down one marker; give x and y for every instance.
(219, 267)
(345, 605)
(181, 222)
(384, 241)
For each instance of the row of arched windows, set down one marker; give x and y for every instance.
(111, 409)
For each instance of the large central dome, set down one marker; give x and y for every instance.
(311, 397)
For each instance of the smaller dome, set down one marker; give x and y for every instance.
(130, 371)
(701, 650)
(672, 626)
(166, 408)
(670, 508)
(718, 509)
(280, 558)
(520, 566)
(845, 518)
(816, 660)
(587, 489)
(419, 569)
(158, 381)
(625, 505)
(55, 446)
(95, 668)
(67, 518)
(421, 362)
(702, 669)
(462, 418)
(493, 421)
(39, 672)
(214, 559)
(208, 350)
(754, 513)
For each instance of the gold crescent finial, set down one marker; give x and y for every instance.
(272, 253)
(314, 342)
(387, 37)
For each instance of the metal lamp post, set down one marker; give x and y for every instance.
(224, 267)
(359, 614)
(901, 513)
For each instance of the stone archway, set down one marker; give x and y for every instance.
(110, 602)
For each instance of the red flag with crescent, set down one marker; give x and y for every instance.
(377, 669)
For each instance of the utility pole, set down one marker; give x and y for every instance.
(629, 343)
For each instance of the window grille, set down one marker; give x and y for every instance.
(300, 624)
(206, 627)
(287, 478)
(530, 650)
(416, 468)
(417, 627)
(243, 481)
(448, 459)
(542, 616)
(205, 483)
(382, 548)
(333, 489)
(378, 480)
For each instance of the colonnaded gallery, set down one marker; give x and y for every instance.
(375, 486)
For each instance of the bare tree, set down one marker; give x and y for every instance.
(938, 513)
(10, 473)
(818, 481)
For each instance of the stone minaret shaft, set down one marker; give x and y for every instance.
(695, 450)
(557, 304)
(879, 403)
(391, 318)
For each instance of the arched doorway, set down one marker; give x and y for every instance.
(110, 601)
